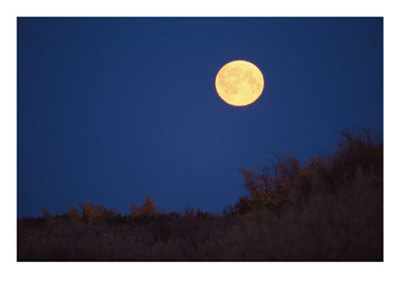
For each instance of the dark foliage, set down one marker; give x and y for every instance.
(325, 209)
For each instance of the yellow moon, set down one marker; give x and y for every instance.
(239, 83)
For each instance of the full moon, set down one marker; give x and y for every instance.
(239, 83)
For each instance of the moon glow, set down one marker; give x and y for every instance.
(239, 83)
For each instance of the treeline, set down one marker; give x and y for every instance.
(89, 213)
(328, 208)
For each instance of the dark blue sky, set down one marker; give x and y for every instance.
(113, 109)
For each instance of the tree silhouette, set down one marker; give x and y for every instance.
(148, 208)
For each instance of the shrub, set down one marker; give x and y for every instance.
(91, 213)
(291, 182)
(148, 208)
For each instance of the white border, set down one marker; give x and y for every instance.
(197, 281)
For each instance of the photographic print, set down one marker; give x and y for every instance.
(199, 139)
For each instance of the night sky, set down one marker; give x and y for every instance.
(113, 109)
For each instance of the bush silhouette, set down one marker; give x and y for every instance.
(74, 215)
(292, 183)
(148, 208)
